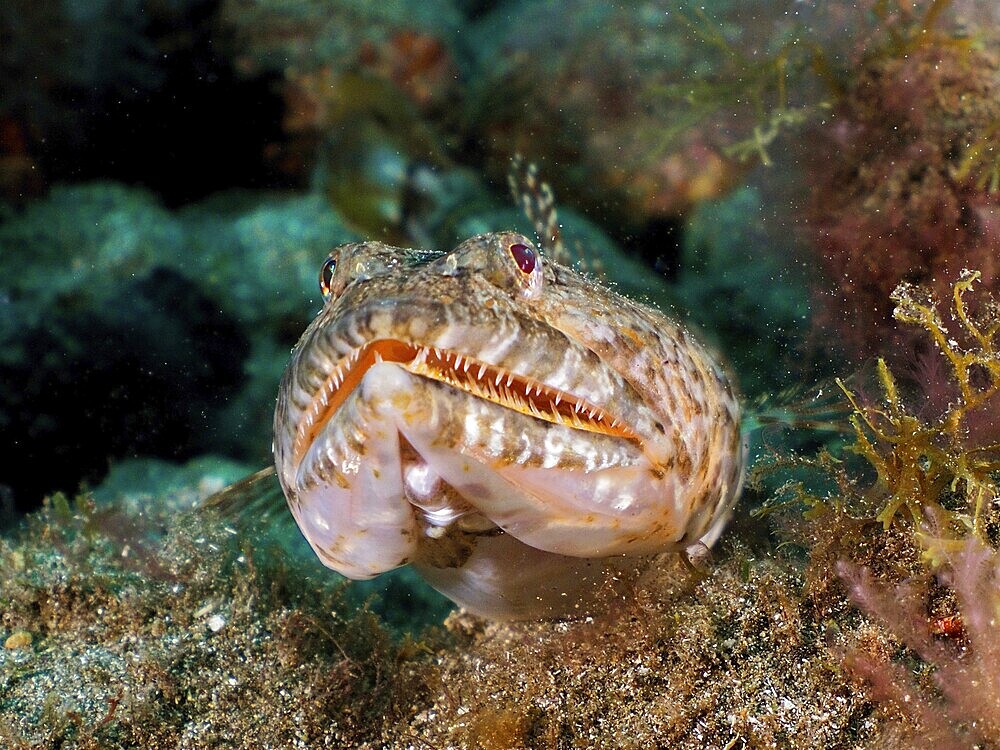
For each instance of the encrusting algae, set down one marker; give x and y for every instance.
(225, 644)
(160, 630)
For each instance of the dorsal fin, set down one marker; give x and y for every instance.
(538, 203)
(536, 199)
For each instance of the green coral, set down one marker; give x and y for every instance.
(138, 483)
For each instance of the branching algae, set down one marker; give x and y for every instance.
(936, 470)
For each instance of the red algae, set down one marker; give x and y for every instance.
(905, 187)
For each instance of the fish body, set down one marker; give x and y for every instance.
(518, 433)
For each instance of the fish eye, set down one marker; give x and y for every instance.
(326, 276)
(524, 256)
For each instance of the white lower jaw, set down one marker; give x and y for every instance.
(368, 509)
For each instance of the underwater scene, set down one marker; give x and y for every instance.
(499, 374)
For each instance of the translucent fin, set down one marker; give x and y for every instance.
(816, 406)
(255, 499)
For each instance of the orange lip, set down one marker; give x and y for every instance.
(477, 378)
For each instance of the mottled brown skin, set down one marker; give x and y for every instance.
(511, 427)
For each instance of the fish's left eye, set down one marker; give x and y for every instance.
(326, 276)
(524, 257)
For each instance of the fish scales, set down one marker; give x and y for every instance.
(517, 432)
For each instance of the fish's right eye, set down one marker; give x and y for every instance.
(326, 276)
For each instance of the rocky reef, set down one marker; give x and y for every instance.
(153, 332)
(812, 187)
(137, 618)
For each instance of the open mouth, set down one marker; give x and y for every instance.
(468, 374)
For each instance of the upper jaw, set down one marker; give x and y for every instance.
(513, 389)
(507, 357)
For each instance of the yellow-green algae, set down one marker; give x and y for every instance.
(917, 545)
(918, 460)
(938, 463)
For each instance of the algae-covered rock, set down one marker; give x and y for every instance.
(165, 629)
(259, 255)
(132, 619)
(730, 657)
(128, 329)
(316, 33)
(83, 241)
(140, 484)
(148, 486)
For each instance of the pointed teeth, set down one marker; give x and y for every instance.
(486, 381)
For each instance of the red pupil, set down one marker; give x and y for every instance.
(524, 256)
